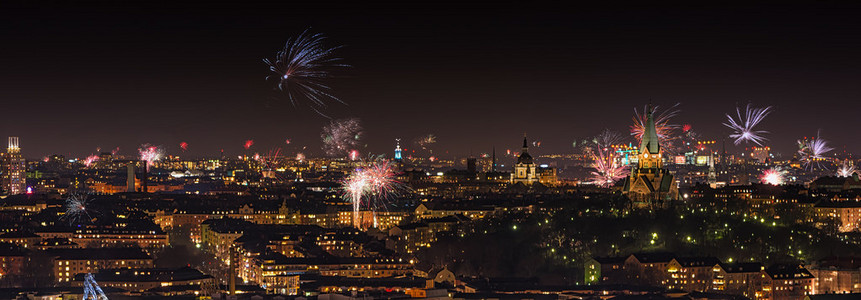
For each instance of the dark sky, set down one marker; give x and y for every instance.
(78, 76)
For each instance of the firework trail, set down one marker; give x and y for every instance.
(183, 146)
(92, 289)
(150, 154)
(371, 187)
(301, 69)
(341, 137)
(77, 207)
(248, 143)
(663, 128)
(774, 176)
(812, 151)
(743, 127)
(271, 159)
(846, 170)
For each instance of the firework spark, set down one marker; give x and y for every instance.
(812, 151)
(847, 169)
(341, 137)
(608, 169)
(248, 143)
(663, 127)
(150, 153)
(743, 127)
(90, 160)
(774, 176)
(371, 187)
(183, 146)
(301, 69)
(77, 207)
(425, 142)
(300, 156)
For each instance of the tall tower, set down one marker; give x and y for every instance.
(493, 160)
(712, 174)
(649, 183)
(524, 170)
(14, 178)
(398, 149)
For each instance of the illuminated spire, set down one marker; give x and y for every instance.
(650, 135)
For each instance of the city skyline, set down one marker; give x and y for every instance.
(131, 75)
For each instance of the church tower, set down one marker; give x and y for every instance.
(649, 183)
(524, 169)
(712, 173)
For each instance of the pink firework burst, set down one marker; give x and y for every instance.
(90, 160)
(608, 169)
(183, 146)
(774, 176)
(371, 188)
(248, 144)
(150, 154)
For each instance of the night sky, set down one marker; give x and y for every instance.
(77, 77)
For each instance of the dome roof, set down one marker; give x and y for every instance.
(524, 158)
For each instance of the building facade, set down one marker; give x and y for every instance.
(524, 170)
(650, 184)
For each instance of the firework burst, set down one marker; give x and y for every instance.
(301, 69)
(371, 187)
(608, 169)
(663, 127)
(77, 208)
(812, 151)
(341, 137)
(774, 176)
(425, 142)
(183, 146)
(90, 160)
(847, 169)
(248, 143)
(150, 154)
(743, 127)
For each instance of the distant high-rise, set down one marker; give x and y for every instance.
(14, 167)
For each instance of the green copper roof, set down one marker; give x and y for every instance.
(650, 136)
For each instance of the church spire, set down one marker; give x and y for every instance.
(525, 145)
(650, 136)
